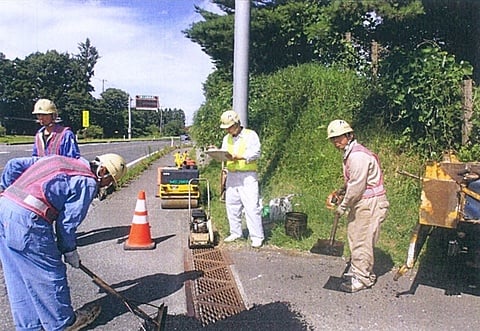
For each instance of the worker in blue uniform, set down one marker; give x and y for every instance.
(44, 201)
(52, 138)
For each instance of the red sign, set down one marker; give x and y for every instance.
(146, 102)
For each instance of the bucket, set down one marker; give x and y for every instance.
(295, 224)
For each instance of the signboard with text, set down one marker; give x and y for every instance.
(146, 102)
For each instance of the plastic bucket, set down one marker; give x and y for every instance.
(296, 224)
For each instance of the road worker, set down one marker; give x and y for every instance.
(364, 199)
(242, 190)
(44, 201)
(52, 138)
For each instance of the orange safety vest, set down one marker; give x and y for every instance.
(54, 142)
(28, 191)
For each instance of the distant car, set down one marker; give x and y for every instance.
(184, 137)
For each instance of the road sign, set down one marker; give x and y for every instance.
(146, 102)
(85, 118)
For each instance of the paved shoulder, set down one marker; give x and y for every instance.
(303, 287)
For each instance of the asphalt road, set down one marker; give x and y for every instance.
(283, 290)
(130, 150)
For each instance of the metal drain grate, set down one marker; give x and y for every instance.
(215, 295)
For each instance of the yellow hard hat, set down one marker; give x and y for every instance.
(115, 165)
(44, 106)
(228, 119)
(337, 128)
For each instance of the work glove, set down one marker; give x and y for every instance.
(341, 210)
(332, 200)
(335, 198)
(72, 258)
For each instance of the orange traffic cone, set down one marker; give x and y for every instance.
(139, 237)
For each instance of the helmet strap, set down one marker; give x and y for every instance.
(95, 166)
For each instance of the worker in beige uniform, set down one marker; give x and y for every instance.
(364, 200)
(242, 191)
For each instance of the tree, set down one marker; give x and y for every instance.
(40, 75)
(455, 25)
(79, 97)
(63, 78)
(278, 35)
(86, 61)
(6, 76)
(111, 112)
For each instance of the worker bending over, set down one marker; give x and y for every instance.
(43, 203)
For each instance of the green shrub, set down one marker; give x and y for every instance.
(92, 132)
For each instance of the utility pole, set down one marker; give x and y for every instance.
(159, 111)
(240, 59)
(129, 118)
(103, 85)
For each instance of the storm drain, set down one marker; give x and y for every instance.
(215, 295)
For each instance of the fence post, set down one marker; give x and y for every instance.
(374, 58)
(467, 106)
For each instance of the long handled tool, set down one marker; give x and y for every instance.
(150, 324)
(329, 246)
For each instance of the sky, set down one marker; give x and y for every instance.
(140, 42)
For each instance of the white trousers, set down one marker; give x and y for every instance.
(242, 195)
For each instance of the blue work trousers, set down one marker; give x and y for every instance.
(34, 272)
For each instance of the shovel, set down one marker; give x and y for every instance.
(150, 324)
(329, 246)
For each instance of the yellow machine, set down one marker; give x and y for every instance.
(176, 189)
(201, 228)
(450, 199)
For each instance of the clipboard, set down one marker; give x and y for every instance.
(218, 154)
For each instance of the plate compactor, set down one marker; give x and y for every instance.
(201, 228)
(176, 189)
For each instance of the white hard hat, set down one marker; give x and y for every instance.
(337, 128)
(44, 106)
(115, 165)
(228, 119)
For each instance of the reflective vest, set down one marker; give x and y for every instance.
(28, 190)
(239, 165)
(53, 144)
(371, 191)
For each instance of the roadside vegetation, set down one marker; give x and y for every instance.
(65, 79)
(298, 159)
(407, 106)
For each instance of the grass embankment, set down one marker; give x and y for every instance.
(311, 193)
(290, 111)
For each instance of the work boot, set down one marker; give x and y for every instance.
(231, 238)
(347, 275)
(84, 316)
(257, 243)
(353, 285)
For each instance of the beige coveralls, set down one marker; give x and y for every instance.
(368, 204)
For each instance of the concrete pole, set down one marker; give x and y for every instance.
(240, 59)
(129, 118)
